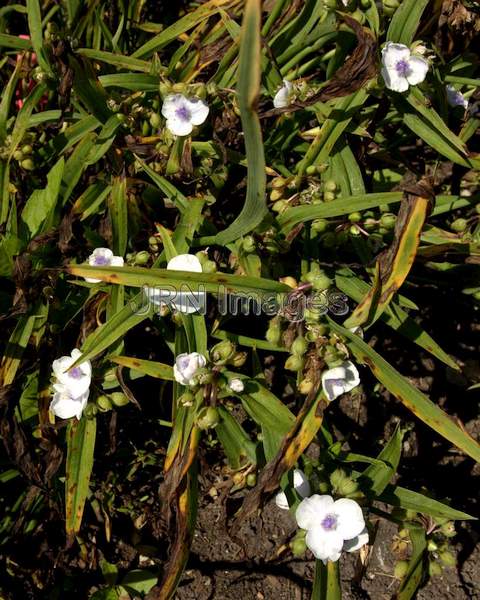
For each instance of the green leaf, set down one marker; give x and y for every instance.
(413, 577)
(117, 205)
(15, 348)
(80, 449)
(172, 193)
(405, 21)
(413, 399)
(248, 89)
(117, 60)
(377, 476)
(36, 35)
(147, 367)
(42, 203)
(234, 439)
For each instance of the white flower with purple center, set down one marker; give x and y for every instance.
(300, 484)
(455, 98)
(282, 97)
(186, 367)
(103, 257)
(400, 68)
(76, 380)
(340, 380)
(186, 302)
(64, 405)
(183, 113)
(332, 526)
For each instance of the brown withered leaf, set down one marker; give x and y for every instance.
(359, 68)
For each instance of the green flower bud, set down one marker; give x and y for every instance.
(208, 418)
(432, 546)
(251, 479)
(90, 410)
(155, 120)
(401, 569)
(238, 359)
(365, 3)
(18, 155)
(104, 403)
(27, 164)
(332, 357)
(274, 332)
(355, 217)
(459, 225)
(276, 194)
(248, 243)
(319, 225)
(299, 346)
(119, 399)
(142, 258)
(278, 183)
(355, 231)
(330, 186)
(448, 529)
(294, 363)
(370, 224)
(311, 170)
(222, 352)
(298, 546)
(321, 282)
(329, 196)
(27, 149)
(387, 220)
(186, 399)
(209, 266)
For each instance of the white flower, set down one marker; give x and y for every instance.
(455, 98)
(282, 97)
(103, 257)
(184, 302)
(77, 380)
(64, 405)
(186, 366)
(340, 380)
(357, 542)
(236, 385)
(330, 524)
(183, 113)
(401, 69)
(301, 486)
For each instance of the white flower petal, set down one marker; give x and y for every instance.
(301, 486)
(236, 385)
(179, 126)
(171, 104)
(350, 521)
(340, 380)
(185, 262)
(393, 53)
(394, 81)
(357, 542)
(311, 511)
(282, 97)
(100, 254)
(186, 366)
(198, 110)
(76, 380)
(117, 261)
(418, 70)
(66, 407)
(324, 545)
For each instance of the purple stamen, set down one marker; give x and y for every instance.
(329, 523)
(403, 68)
(76, 373)
(183, 113)
(101, 260)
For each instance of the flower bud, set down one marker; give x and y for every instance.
(387, 220)
(355, 217)
(298, 546)
(27, 149)
(330, 185)
(305, 386)
(311, 170)
(370, 224)
(276, 194)
(119, 399)
(238, 359)
(448, 529)
(186, 399)
(278, 183)
(251, 479)
(222, 352)
(104, 403)
(274, 332)
(329, 196)
(248, 244)
(459, 225)
(142, 258)
(236, 385)
(90, 411)
(355, 231)
(209, 266)
(27, 164)
(294, 363)
(299, 346)
(319, 225)
(155, 120)
(208, 418)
